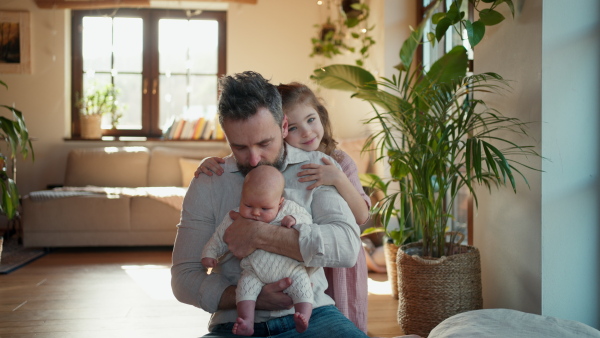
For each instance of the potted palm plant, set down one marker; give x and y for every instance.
(14, 132)
(438, 135)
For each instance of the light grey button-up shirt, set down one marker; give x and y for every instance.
(332, 241)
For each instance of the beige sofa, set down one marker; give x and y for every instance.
(128, 196)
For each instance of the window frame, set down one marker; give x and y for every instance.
(150, 71)
(421, 9)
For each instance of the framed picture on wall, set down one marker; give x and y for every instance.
(15, 44)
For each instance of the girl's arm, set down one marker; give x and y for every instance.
(209, 166)
(329, 174)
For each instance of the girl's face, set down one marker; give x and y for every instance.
(305, 130)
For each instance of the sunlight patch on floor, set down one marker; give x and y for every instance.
(379, 287)
(155, 280)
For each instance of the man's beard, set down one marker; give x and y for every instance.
(278, 163)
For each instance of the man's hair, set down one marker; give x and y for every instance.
(242, 94)
(294, 94)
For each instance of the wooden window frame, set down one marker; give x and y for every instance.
(150, 72)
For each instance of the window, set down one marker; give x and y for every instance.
(428, 54)
(164, 63)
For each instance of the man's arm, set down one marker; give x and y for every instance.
(189, 279)
(244, 236)
(332, 239)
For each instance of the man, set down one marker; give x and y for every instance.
(253, 121)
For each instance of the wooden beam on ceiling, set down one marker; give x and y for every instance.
(90, 4)
(99, 4)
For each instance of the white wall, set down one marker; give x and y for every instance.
(507, 227)
(571, 129)
(541, 247)
(271, 37)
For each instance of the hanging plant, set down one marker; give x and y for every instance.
(349, 30)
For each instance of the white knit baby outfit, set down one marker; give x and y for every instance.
(263, 267)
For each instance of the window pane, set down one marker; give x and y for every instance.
(204, 49)
(128, 44)
(203, 93)
(130, 96)
(97, 44)
(173, 98)
(94, 81)
(173, 46)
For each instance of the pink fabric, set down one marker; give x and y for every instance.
(348, 286)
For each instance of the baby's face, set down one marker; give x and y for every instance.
(259, 207)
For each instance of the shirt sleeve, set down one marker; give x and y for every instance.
(333, 238)
(351, 170)
(189, 279)
(216, 247)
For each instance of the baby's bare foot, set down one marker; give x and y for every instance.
(301, 322)
(242, 328)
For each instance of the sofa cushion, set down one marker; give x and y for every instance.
(164, 169)
(74, 214)
(108, 167)
(188, 167)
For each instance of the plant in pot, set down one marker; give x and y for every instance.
(14, 132)
(332, 37)
(97, 102)
(438, 136)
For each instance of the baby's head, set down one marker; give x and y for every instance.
(262, 194)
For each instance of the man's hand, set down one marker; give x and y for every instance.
(245, 235)
(240, 235)
(272, 298)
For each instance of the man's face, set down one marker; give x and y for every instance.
(256, 141)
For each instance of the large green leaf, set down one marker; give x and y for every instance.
(450, 67)
(490, 17)
(475, 32)
(344, 77)
(407, 51)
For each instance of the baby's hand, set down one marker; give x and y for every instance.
(288, 221)
(209, 262)
(327, 174)
(209, 166)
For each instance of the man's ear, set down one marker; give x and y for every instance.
(284, 126)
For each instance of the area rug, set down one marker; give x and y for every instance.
(14, 256)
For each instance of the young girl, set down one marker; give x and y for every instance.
(309, 129)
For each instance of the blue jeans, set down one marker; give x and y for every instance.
(325, 321)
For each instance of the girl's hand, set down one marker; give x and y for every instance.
(209, 166)
(327, 174)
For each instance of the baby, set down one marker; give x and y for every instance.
(262, 200)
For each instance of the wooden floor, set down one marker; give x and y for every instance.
(123, 293)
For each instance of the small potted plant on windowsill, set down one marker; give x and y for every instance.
(97, 102)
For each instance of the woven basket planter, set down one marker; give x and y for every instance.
(390, 251)
(433, 289)
(91, 126)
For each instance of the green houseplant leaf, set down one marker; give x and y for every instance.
(15, 134)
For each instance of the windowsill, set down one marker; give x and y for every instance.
(134, 139)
